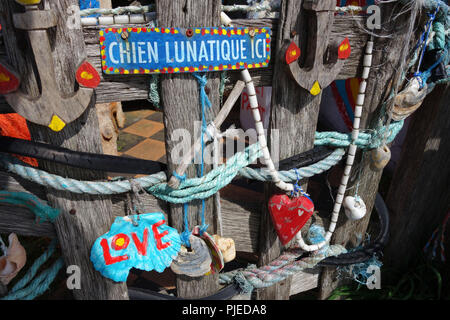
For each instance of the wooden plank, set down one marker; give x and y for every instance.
(21, 221)
(418, 197)
(348, 232)
(126, 88)
(304, 281)
(180, 99)
(92, 215)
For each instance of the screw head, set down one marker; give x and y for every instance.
(189, 32)
(252, 32)
(124, 35)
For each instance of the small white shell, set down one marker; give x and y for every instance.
(379, 158)
(354, 209)
(196, 263)
(226, 246)
(408, 100)
(13, 261)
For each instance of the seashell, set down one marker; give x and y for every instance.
(196, 263)
(355, 209)
(379, 158)
(216, 255)
(13, 261)
(147, 245)
(408, 100)
(227, 247)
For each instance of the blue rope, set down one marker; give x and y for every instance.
(186, 233)
(32, 203)
(204, 101)
(27, 288)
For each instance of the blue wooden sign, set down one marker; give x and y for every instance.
(171, 50)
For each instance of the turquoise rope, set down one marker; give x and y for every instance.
(39, 285)
(156, 182)
(32, 203)
(204, 102)
(28, 288)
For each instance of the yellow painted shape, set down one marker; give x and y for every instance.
(343, 47)
(86, 75)
(56, 124)
(4, 77)
(28, 2)
(315, 90)
(120, 242)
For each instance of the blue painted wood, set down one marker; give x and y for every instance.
(173, 50)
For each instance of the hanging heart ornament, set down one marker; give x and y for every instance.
(289, 215)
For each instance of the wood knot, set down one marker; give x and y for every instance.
(73, 212)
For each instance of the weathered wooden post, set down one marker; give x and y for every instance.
(347, 232)
(296, 101)
(180, 100)
(418, 198)
(83, 218)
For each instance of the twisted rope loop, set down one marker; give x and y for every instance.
(41, 283)
(286, 265)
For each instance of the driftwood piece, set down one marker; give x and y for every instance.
(347, 232)
(221, 116)
(51, 108)
(110, 116)
(315, 75)
(180, 100)
(91, 216)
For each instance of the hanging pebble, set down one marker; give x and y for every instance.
(379, 158)
(227, 247)
(194, 263)
(408, 100)
(355, 208)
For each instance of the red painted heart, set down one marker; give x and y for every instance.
(289, 215)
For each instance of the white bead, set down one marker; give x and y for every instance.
(137, 18)
(105, 20)
(88, 21)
